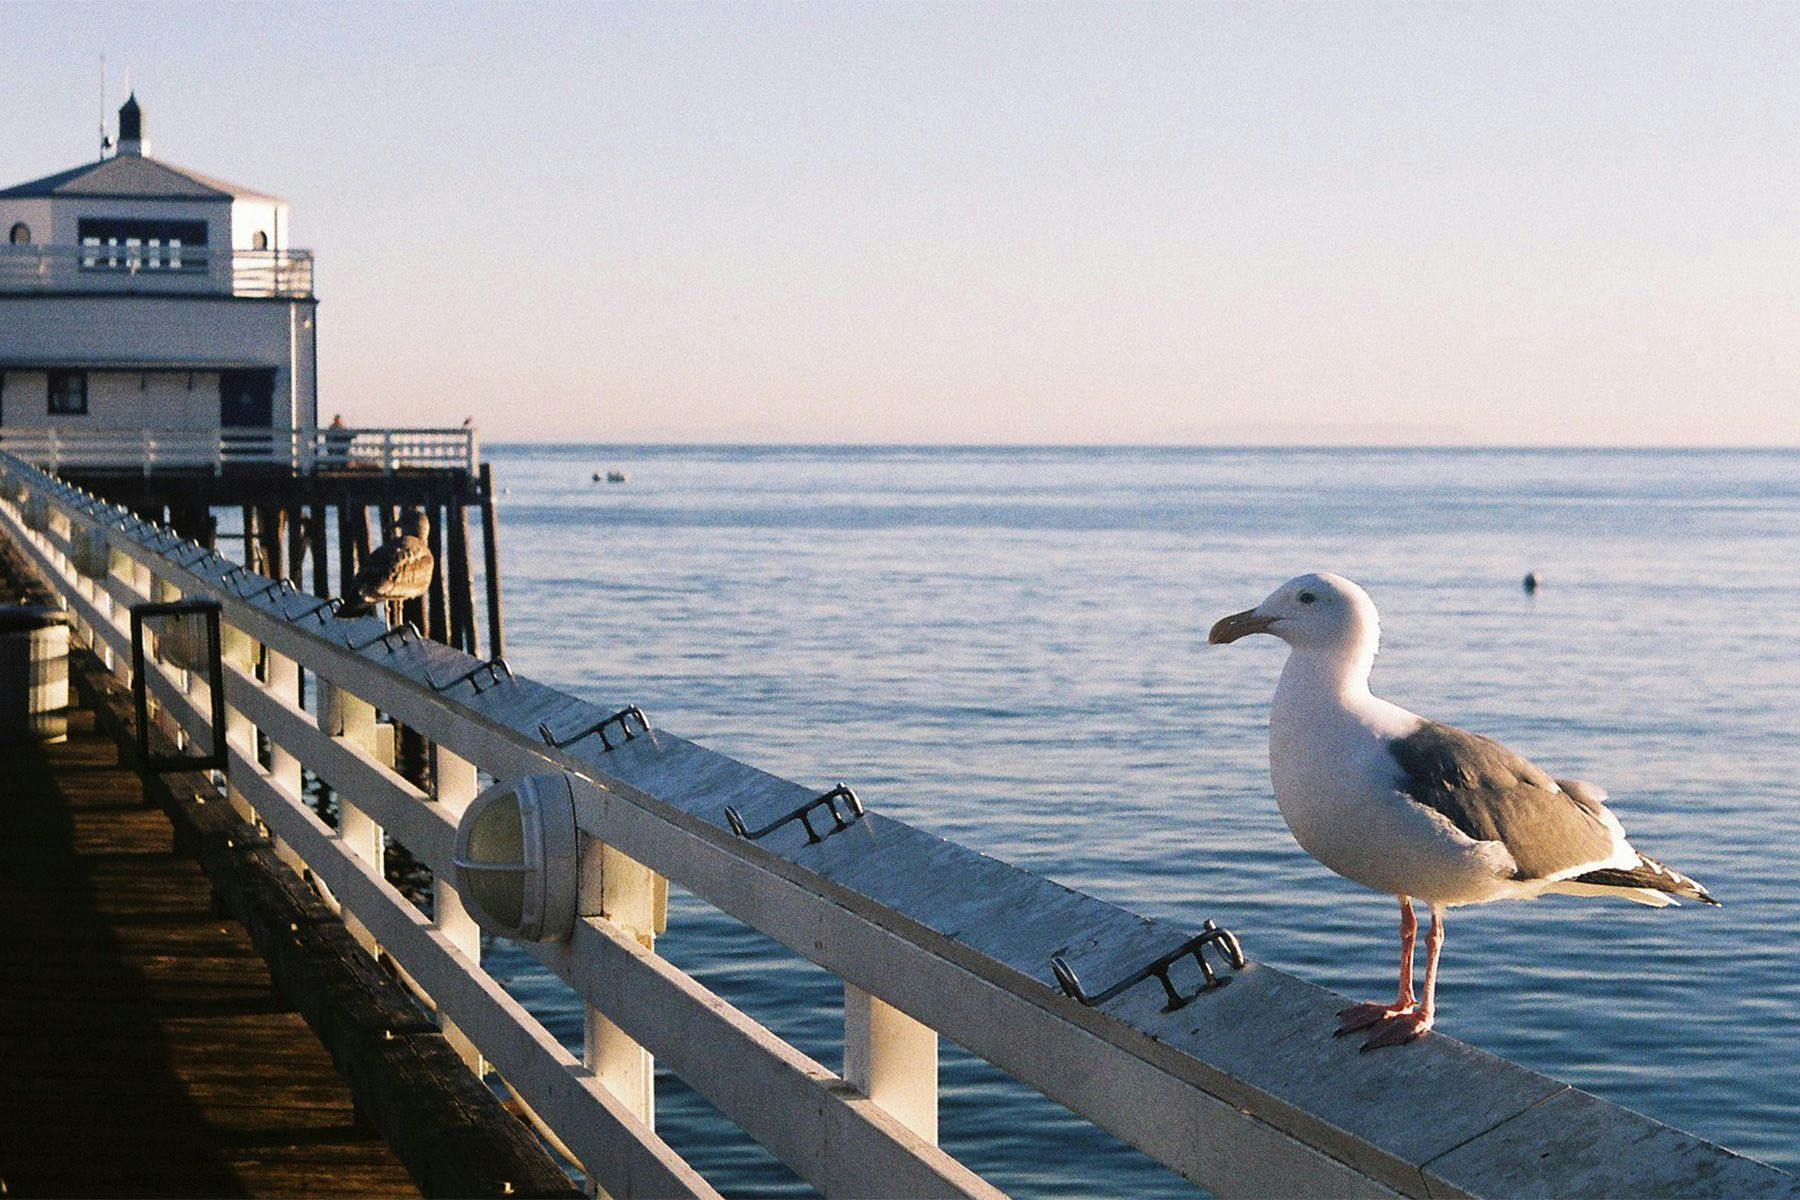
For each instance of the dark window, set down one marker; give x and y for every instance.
(247, 398)
(68, 393)
(21, 234)
(117, 244)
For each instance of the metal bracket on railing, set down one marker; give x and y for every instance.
(317, 610)
(187, 561)
(803, 814)
(282, 585)
(215, 680)
(495, 668)
(232, 572)
(622, 719)
(407, 633)
(1223, 940)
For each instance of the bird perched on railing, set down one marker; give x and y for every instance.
(1417, 809)
(395, 571)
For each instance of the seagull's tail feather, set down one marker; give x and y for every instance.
(1648, 876)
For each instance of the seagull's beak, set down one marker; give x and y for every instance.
(1237, 625)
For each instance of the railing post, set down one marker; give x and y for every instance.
(387, 452)
(240, 651)
(893, 1060)
(634, 898)
(353, 719)
(281, 677)
(454, 782)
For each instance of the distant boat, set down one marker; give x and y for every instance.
(615, 476)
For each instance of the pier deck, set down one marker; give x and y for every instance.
(145, 1048)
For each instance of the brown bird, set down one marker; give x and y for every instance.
(395, 571)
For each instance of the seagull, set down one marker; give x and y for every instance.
(394, 571)
(1417, 809)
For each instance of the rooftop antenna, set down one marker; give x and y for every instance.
(105, 142)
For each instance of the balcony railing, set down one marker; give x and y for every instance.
(156, 269)
(304, 451)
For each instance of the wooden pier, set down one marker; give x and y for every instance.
(145, 1048)
(1238, 1086)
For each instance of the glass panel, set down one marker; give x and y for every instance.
(499, 894)
(498, 837)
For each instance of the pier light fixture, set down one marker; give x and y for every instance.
(91, 554)
(517, 859)
(36, 513)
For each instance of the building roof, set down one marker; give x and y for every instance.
(132, 177)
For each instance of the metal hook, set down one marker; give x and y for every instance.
(317, 610)
(407, 633)
(494, 668)
(1223, 940)
(620, 718)
(286, 585)
(803, 814)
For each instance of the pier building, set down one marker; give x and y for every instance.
(137, 295)
(159, 346)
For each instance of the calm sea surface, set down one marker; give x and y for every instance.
(857, 614)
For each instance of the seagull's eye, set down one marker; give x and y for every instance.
(1307, 597)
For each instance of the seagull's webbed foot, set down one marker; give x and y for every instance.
(1361, 1016)
(1398, 1030)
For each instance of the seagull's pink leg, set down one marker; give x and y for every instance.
(1404, 1027)
(1361, 1016)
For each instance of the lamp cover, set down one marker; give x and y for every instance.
(516, 859)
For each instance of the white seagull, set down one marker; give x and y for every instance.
(1407, 806)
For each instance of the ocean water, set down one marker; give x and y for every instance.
(853, 614)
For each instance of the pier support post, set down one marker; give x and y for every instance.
(893, 1060)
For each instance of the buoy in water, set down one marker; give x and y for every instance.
(1531, 582)
(596, 477)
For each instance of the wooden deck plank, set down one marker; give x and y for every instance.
(144, 1049)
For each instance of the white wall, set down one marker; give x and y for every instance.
(180, 332)
(117, 400)
(35, 213)
(249, 216)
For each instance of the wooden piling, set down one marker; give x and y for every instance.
(491, 560)
(252, 539)
(315, 525)
(438, 607)
(462, 582)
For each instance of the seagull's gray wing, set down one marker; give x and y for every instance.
(1494, 795)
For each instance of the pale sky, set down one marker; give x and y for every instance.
(1042, 223)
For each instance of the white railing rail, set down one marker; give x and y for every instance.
(287, 274)
(306, 451)
(1243, 1090)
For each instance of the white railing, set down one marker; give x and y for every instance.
(138, 268)
(307, 451)
(1242, 1090)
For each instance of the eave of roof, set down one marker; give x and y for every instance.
(131, 177)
